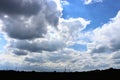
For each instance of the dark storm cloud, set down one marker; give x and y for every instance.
(19, 7)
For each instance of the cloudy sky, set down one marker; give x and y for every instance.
(51, 35)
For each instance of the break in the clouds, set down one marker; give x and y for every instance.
(39, 38)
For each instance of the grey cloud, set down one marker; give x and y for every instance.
(33, 26)
(19, 7)
(50, 61)
(115, 44)
(52, 14)
(53, 57)
(60, 58)
(25, 67)
(93, 67)
(38, 46)
(116, 55)
(101, 49)
(20, 52)
(35, 60)
(28, 28)
(25, 21)
(23, 27)
(117, 61)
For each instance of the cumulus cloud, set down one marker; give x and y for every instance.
(53, 40)
(72, 27)
(26, 30)
(106, 38)
(17, 24)
(86, 2)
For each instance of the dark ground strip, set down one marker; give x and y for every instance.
(109, 74)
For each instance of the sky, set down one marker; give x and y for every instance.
(54, 35)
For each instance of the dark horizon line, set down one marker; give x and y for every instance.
(59, 71)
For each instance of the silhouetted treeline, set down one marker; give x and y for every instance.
(109, 74)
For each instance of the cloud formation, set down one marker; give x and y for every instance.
(25, 29)
(27, 38)
(40, 40)
(18, 25)
(106, 38)
(86, 2)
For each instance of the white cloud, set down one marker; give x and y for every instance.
(106, 38)
(86, 2)
(65, 2)
(70, 28)
(105, 41)
(50, 61)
